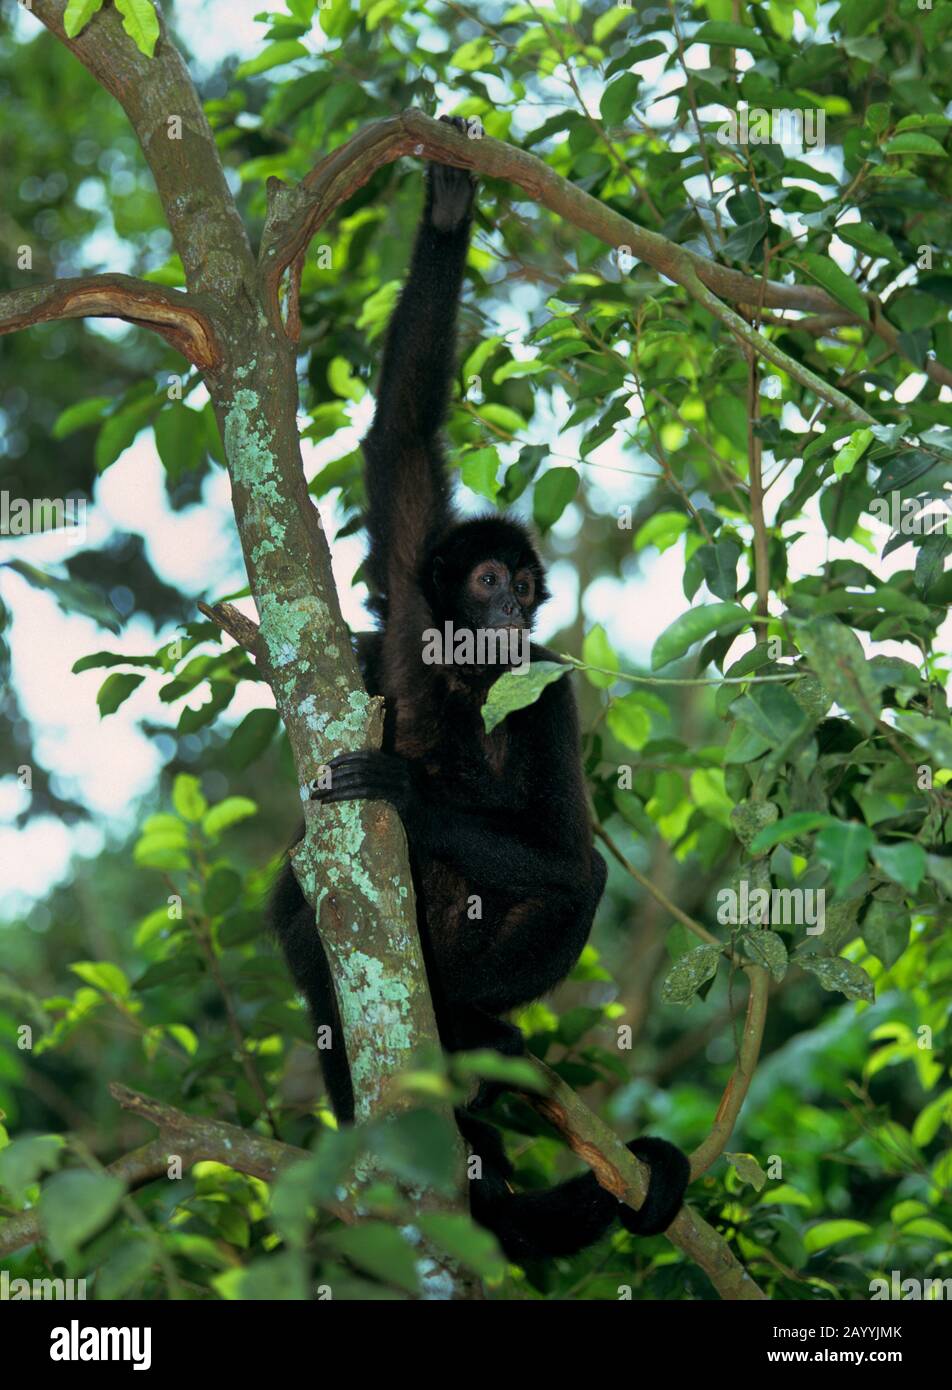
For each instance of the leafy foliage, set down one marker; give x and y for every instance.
(790, 739)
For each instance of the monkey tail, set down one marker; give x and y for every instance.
(566, 1219)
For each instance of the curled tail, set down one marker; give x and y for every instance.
(565, 1219)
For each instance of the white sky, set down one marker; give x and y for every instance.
(110, 764)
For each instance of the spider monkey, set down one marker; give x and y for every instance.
(499, 819)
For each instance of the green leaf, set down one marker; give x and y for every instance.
(748, 1170)
(71, 595)
(913, 142)
(479, 356)
(692, 627)
(904, 863)
(83, 413)
(286, 51)
(417, 1148)
(517, 1072)
(932, 735)
(843, 847)
(180, 439)
(118, 431)
(74, 1205)
(251, 737)
(749, 818)
(535, 367)
(95, 660)
(767, 949)
(689, 973)
(618, 99)
(868, 239)
(837, 657)
(878, 116)
(744, 745)
(940, 871)
(608, 22)
(380, 1250)
(160, 852)
(837, 973)
(238, 928)
(827, 1233)
(24, 1161)
(629, 721)
(222, 889)
(852, 451)
(116, 689)
(836, 282)
(517, 689)
(719, 564)
(772, 712)
(187, 797)
(661, 530)
(552, 494)
(928, 1123)
(474, 54)
(141, 23)
(342, 381)
(930, 560)
(729, 414)
(127, 1266)
(228, 812)
(459, 1237)
(731, 36)
(790, 827)
(479, 469)
(574, 1024)
(597, 651)
(886, 930)
(77, 15)
(103, 975)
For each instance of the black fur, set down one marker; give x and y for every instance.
(499, 816)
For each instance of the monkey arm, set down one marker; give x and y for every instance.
(407, 490)
(490, 847)
(418, 360)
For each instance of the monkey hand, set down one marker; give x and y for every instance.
(368, 775)
(450, 191)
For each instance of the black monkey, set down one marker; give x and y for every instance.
(498, 819)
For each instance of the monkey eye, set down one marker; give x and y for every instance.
(522, 587)
(488, 578)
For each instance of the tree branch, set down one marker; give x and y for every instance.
(171, 314)
(193, 1139)
(296, 213)
(352, 863)
(621, 1174)
(231, 620)
(166, 113)
(735, 1092)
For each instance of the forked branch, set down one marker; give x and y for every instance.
(170, 313)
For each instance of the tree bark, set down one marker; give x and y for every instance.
(352, 862)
